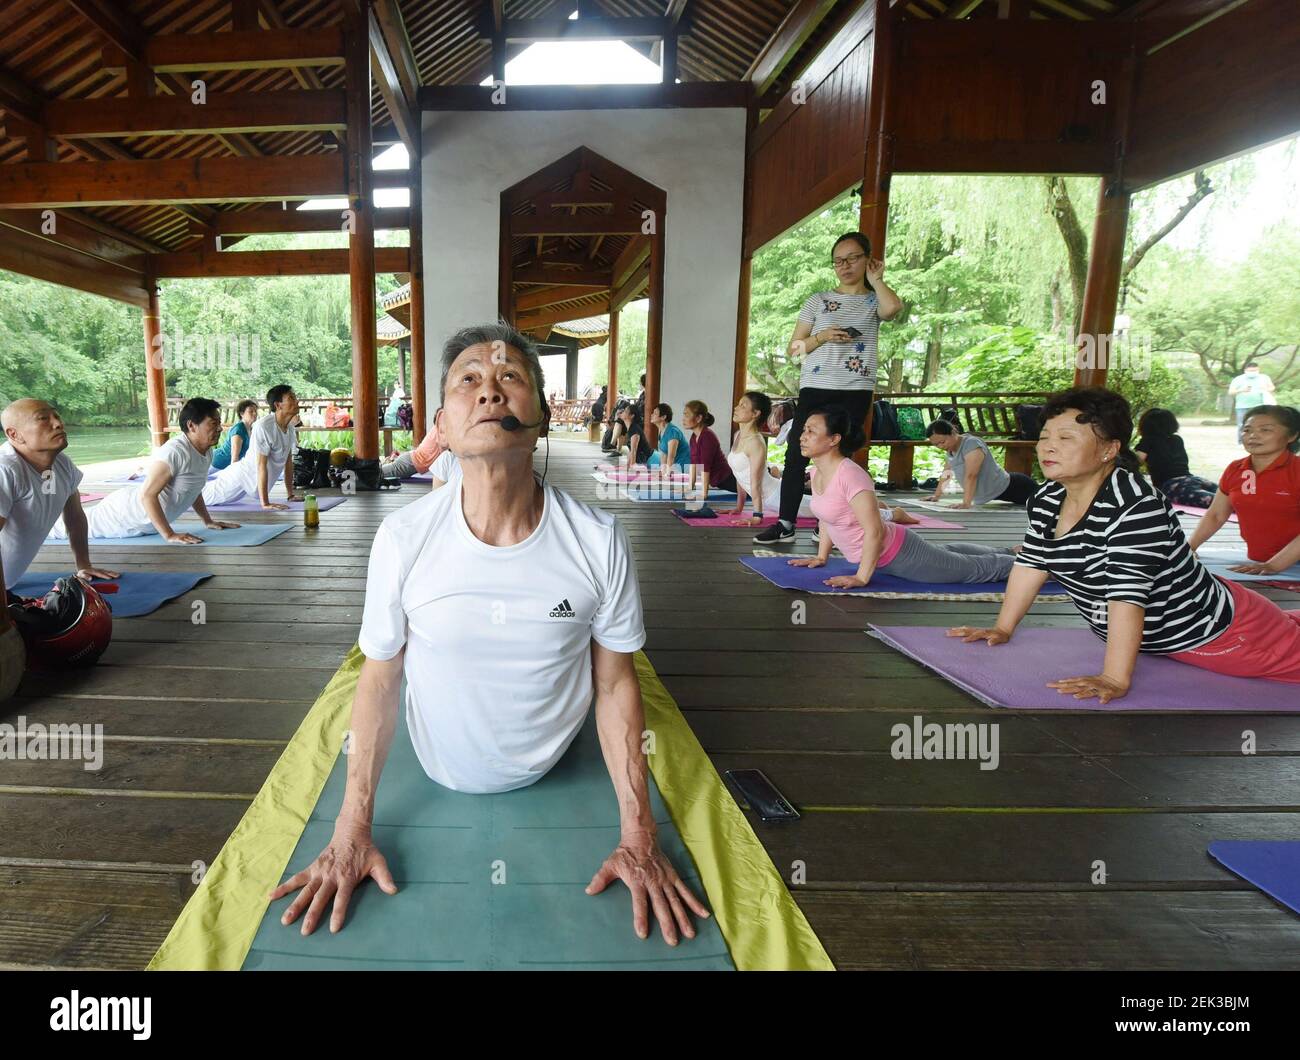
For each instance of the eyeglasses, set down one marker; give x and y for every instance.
(852, 259)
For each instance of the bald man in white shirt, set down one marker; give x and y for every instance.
(38, 486)
(440, 569)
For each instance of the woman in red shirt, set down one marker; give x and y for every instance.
(1264, 490)
(708, 461)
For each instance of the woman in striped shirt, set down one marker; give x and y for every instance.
(1113, 542)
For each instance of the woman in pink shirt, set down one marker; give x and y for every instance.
(844, 500)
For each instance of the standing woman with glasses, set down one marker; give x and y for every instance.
(835, 339)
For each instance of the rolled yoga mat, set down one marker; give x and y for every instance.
(778, 571)
(548, 840)
(245, 535)
(1271, 865)
(248, 504)
(138, 592)
(1015, 674)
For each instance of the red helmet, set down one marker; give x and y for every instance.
(70, 627)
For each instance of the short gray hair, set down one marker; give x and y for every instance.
(490, 334)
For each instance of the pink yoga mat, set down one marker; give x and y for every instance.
(1016, 674)
(86, 498)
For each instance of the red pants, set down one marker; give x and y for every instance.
(1263, 641)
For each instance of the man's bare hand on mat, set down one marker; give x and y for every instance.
(640, 864)
(349, 860)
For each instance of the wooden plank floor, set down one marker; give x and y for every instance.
(907, 864)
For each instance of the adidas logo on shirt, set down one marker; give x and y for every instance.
(563, 610)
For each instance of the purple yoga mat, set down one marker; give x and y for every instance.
(246, 504)
(778, 571)
(1016, 674)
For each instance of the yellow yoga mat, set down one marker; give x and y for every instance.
(759, 921)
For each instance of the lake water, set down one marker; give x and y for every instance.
(90, 445)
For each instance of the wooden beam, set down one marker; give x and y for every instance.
(498, 16)
(171, 180)
(634, 255)
(676, 11)
(544, 317)
(118, 26)
(19, 98)
(304, 75)
(206, 263)
(532, 30)
(391, 83)
(633, 287)
(400, 51)
(71, 233)
(572, 277)
(587, 97)
(527, 301)
(791, 35)
(31, 255)
(177, 116)
(389, 178)
(236, 50)
(575, 225)
(611, 372)
(654, 334)
(274, 219)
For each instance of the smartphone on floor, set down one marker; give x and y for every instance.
(762, 795)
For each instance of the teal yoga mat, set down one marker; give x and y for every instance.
(443, 848)
(246, 534)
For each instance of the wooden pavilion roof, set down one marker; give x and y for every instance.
(56, 50)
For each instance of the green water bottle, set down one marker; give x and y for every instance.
(310, 512)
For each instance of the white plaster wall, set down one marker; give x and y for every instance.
(696, 155)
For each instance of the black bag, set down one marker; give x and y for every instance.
(311, 469)
(884, 423)
(950, 414)
(1029, 422)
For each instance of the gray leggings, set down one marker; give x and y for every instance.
(402, 466)
(920, 561)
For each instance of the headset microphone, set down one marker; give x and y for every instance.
(511, 423)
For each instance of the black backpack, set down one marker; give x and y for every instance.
(884, 423)
(1029, 422)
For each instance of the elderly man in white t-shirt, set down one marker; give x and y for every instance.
(271, 445)
(38, 486)
(507, 604)
(173, 483)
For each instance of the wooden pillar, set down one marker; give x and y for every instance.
(419, 399)
(1101, 292)
(611, 385)
(154, 365)
(361, 241)
(873, 215)
(740, 374)
(654, 329)
(741, 377)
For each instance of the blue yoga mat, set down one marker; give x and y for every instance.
(1271, 865)
(247, 534)
(540, 844)
(1221, 568)
(649, 493)
(138, 592)
(810, 579)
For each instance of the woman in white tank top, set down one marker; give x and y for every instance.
(748, 459)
